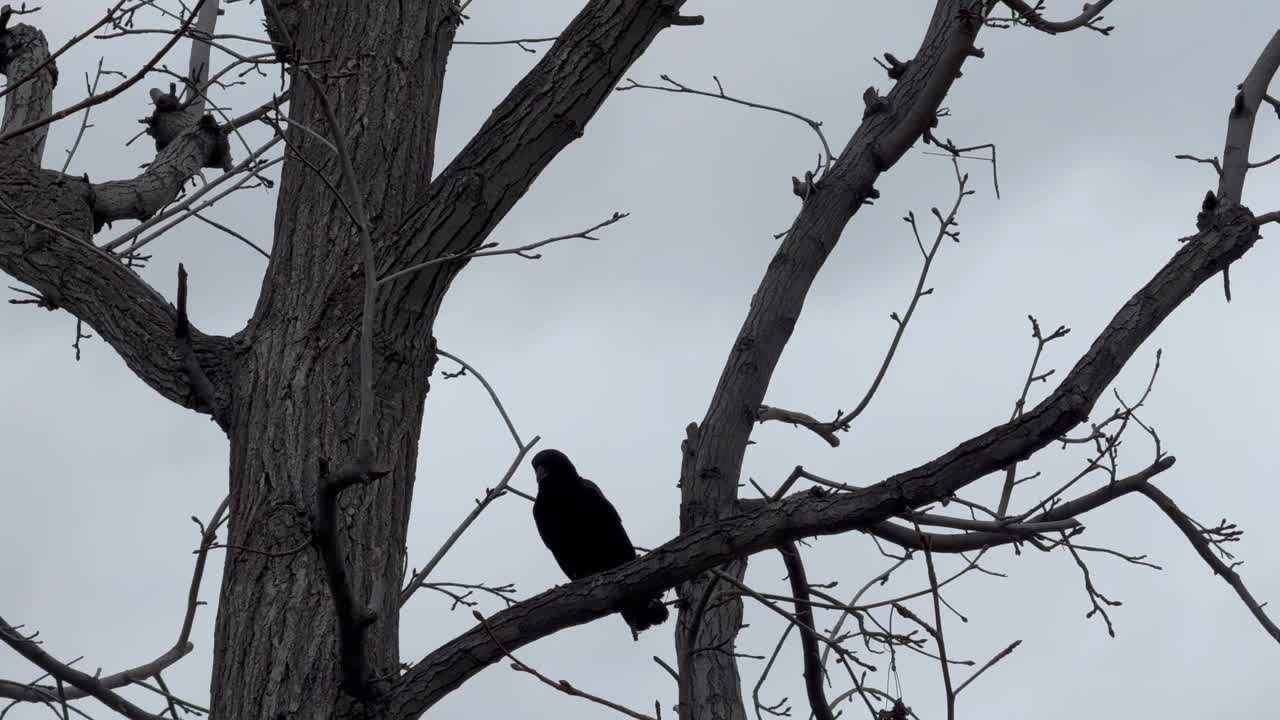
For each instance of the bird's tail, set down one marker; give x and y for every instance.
(645, 615)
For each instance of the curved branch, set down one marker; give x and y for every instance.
(813, 670)
(54, 257)
(1221, 569)
(1036, 20)
(141, 197)
(180, 649)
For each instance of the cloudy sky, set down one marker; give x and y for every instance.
(607, 350)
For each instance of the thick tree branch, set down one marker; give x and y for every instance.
(62, 672)
(419, 578)
(891, 124)
(141, 197)
(95, 287)
(25, 61)
(1220, 568)
(1235, 154)
(522, 136)
(1244, 110)
(721, 540)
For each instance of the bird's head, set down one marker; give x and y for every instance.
(552, 462)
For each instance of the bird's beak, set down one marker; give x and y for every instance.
(540, 473)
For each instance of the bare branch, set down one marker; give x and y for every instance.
(1244, 110)
(712, 466)
(1265, 218)
(946, 227)
(1221, 569)
(95, 287)
(524, 251)
(133, 198)
(204, 390)
(109, 17)
(563, 685)
(938, 634)
(1005, 534)
(825, 430)
(1213, 161)
(180, 649)
(675, 87)
(813, 671)
(493, 395)
(1086, 18)
(107, 95)
(490, 495)
(522, 43)
(1011, 473)
(998, 657)
(524, 133)
(63, 673)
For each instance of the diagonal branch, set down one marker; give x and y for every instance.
(563, 685)
(180, 649)
(712, 466)
(768, 525)
(64, 673)
(525, 132)
(1220, 568)
(95, 287)
(419, 578)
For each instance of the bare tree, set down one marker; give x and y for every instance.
(321, 395)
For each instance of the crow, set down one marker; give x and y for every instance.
(584, 533)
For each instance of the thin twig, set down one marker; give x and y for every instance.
(523, 251)
(676, 87)
(1221, 569)
(998, 657)
(563, 685)
(491, 495)
(497, 402)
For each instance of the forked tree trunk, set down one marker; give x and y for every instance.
(296, 389)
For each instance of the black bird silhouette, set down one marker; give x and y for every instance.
(584, 533)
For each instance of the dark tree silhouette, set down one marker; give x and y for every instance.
(321, 394)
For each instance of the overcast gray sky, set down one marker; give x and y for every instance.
(609, 349)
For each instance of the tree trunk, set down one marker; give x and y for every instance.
(296, 393)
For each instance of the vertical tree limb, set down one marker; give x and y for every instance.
(813, 670)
